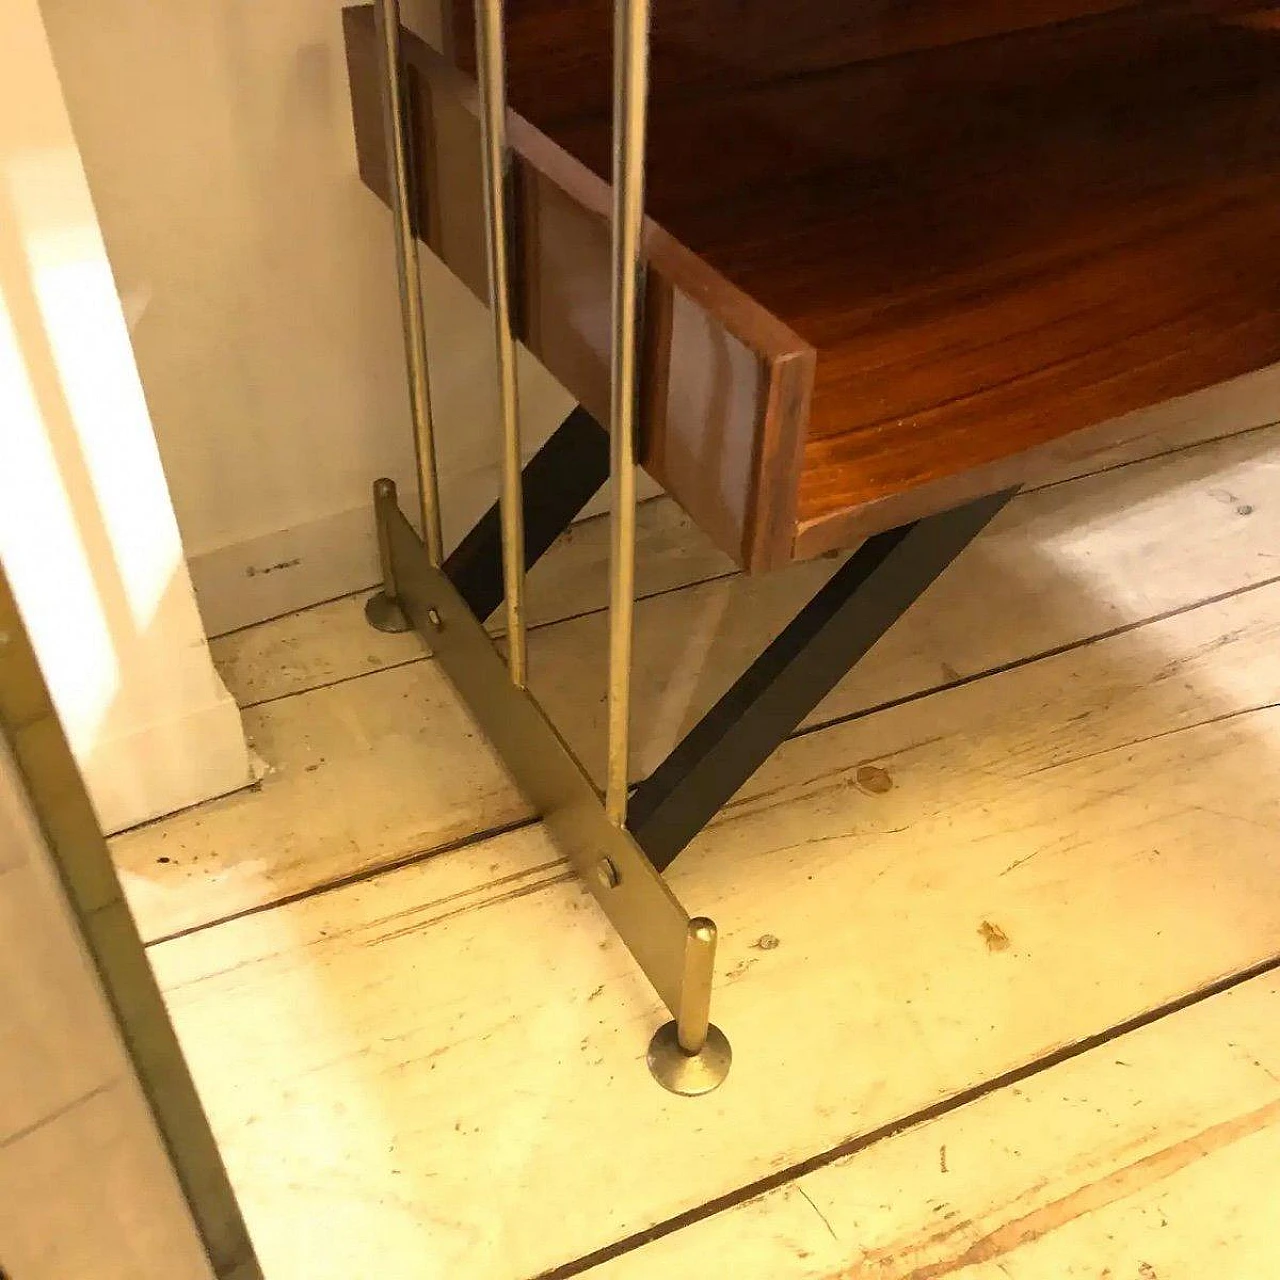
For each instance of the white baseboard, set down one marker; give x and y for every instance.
(260, 578)
(263, 577)
(167, 765)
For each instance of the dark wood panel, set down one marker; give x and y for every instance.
(933, 114)
(724, 384)
(1097, 252)
(559, 50)
(1001, 245)
(991, 244)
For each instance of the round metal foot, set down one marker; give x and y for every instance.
(385, 614)
(689, 1073)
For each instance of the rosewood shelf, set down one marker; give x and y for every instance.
(898, 252)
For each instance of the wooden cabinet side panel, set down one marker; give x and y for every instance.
(714, 412)
(703, 392)
(710, 410)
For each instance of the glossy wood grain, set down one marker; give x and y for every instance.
(724, 383)
(1085, 232)
(998, 225)
(559, 50)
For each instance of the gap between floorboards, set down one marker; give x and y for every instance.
(945, 1106)
(490, 833)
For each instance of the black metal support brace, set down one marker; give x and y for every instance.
(865, 597)
(558, 481)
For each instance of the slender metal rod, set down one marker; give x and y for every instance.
(387, 20)
(558, 481)
(630, 93)
(491, 64)
(694, 1017)
(384, 495)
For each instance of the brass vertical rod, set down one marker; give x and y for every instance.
(694, 1017)
(384, 496)
(387, 20)
(630, 92)
(491, 65)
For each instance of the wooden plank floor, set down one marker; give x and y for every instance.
(1034, 837)
(1153, 1157)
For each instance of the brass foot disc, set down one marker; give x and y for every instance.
(384, 614)
(689, 1074)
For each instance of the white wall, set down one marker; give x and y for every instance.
(260, 278)
(87, 532)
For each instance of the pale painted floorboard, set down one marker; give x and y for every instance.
(436, 1071)
(332, 641)
(1242, 404)
(367, 772)
(440, 1068)
(1153, 1157)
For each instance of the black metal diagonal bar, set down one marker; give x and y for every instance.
(558, 481)
(865, 597)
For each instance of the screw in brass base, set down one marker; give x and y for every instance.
(689, 1074)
